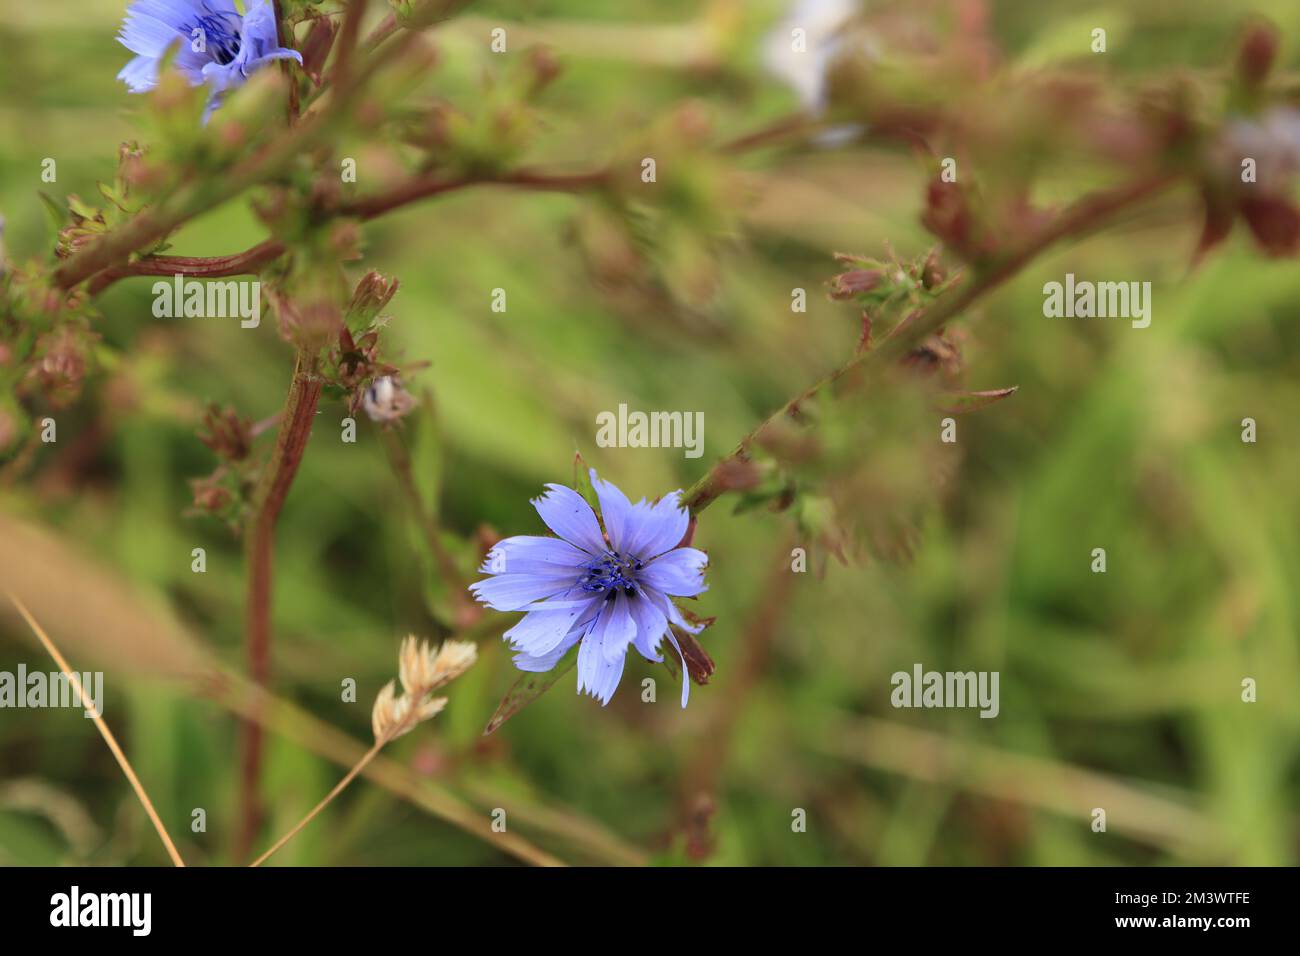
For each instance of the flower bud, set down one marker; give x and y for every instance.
(316, 47)
(372, 294)
(230, 436)
(544, 67)
(386, 400)
(1256, 53)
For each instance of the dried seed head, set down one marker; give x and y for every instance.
(230, 436)
(421, 670)
(415, 666)
(454, 658)
(429, 708)
(385, 714)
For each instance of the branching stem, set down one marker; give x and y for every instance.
(273, 488)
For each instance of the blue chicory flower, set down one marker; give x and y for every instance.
(218, 45)
(609, 591)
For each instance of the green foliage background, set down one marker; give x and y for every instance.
(1117, 438)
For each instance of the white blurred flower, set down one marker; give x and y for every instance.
(804, 70)
(386, 401)
(1272, 140)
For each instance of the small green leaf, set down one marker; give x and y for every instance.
(427, 453)
(82, 208)
(582, 482)
(528, 688)
(58, 215)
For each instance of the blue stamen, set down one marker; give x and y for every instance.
(612, 573)
(221, 36)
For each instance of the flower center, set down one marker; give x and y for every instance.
(611, 573)
(220, 36)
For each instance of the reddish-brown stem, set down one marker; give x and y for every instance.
(432, 184)
(273, 488)
(196, 198)
(347, 41)
(1079, 219)
(247, 262)
(708, 760)
(408, 191)
(782, 129)
(96, 262)
(385, 28)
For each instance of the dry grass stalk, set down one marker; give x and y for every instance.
(107, 734)
(421, 671)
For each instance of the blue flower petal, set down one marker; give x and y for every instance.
(615, 628)
(567, 514)
(513, 592)
(147, 36)
(686, 675)
(140, 75)
(235, 45)
(259, 33)
(573, 589)
(679, 572)
(661, 601)
(621, 520)
(662, 527)
(542, 663)
(534, 553)
(598, 674)
(542, 630)
(650, 627)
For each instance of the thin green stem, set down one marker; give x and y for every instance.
(464, 611)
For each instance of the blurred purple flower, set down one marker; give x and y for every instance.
(215, 43)
(609, 591)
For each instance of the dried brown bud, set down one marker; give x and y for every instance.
(699, 665)
(209, 495)
(1274, 222)
(932, 271)
(59, 367)
(545, 67)
(1257, 52)
(734, 474)
(370, 297)
(316, 47)
(693, 122)
(344, 240)
(486, 538)
(310, 324)
(846, 285)
(937, 354)
(950, 216)
(230, 436)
